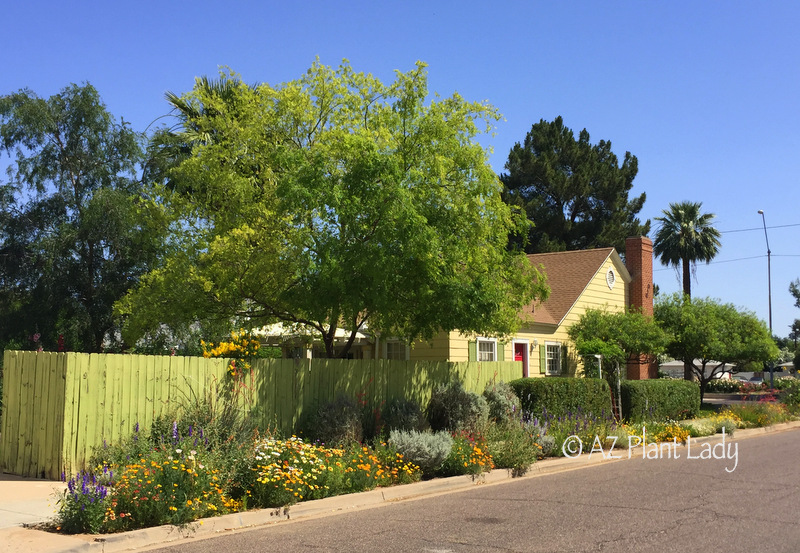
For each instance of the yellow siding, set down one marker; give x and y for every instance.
(459, 346)
(437, 349)
(597, 295)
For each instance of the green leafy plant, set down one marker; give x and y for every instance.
(468, 455)
(427, 450)
(503, 402)
(83, 505)
(453, 408)
(658, 400)
(337, 423)
(562, 396)
(404, 414)
(512, 446)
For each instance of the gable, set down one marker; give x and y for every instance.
(576, 276)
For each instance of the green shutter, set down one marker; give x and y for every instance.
(542, 358)
(472, 351)
(564, 365)
(501, 352)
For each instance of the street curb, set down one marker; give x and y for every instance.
(31, 539)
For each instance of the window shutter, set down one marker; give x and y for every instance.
(542, 358)
(501, 352)
(472, 351)
(564, 365)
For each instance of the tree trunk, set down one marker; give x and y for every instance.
(687, 277)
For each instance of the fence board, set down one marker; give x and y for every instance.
(27, 418)
(58, 407)
(11, 407)
(43, 399)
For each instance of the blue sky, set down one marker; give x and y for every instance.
(705, 94)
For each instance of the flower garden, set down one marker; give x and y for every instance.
(209, 458)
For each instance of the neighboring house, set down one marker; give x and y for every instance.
(297, 341)
(675, 369)
(578, 280)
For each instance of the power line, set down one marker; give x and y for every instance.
(759, 228)
(733, 260)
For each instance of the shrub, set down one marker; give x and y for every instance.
(659, 400)
(337, 423)
(427, 450)
(290, 470)
(172, 486)
(724, 386)
(667, 432)
(452, 408)
(467, 456)
(790, 393)
(758, 414)
(512, 447)
(701, 427)
(560, 396)
(784, 382)
(84, 503)
(503, 403)
(404, 414)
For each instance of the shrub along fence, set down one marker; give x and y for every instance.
(58, 407)
(659, 399)
(561, 396)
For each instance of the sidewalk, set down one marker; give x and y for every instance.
(26, 501)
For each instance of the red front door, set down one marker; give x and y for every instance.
(521, 354)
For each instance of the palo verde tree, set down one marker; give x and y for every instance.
(73, 237)
(712, 337)
(334, 201)
(618, 336)
(574, 192)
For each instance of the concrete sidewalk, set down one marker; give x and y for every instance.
(26, 501)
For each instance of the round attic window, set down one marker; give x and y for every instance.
(611, 278)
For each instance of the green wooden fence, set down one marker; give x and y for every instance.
(58, 407)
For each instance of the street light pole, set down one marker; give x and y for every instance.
(769, 288)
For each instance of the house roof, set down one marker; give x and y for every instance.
(568, 275)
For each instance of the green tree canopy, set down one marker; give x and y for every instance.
(794, 289)
(73, 237)
(684, 237)
(617, 336)
(334, 201)
(711, 336)
(575, 193)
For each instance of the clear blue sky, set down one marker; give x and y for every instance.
(705, 94)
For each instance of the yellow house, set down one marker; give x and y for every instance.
(578, 280)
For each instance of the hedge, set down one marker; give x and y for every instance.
(562, 395)
(659, 400)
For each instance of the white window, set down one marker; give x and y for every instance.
(487, 349)
(553, 350)
(396, 351)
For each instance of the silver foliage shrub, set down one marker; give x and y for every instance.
(428, 450)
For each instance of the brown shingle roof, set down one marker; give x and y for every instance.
(568, 275)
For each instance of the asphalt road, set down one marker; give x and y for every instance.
(659, 504)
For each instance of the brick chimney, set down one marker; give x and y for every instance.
(639, 262)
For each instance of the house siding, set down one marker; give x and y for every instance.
(437, 349)
(454, 346)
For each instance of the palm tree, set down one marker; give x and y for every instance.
(686, 237)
